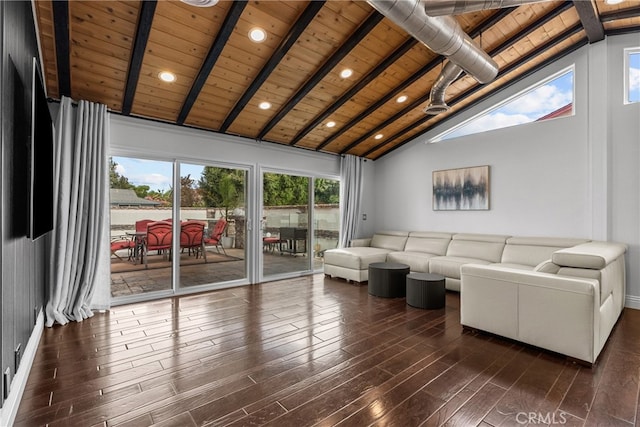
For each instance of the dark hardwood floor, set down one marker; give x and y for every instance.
(315, 351)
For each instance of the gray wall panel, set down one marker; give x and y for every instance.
(24, 263)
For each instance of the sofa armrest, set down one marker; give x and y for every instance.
(592, 255)
(558, 313)
(360, 242)
(547, 267)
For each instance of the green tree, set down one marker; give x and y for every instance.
(189, 195)
(222, 187)
(116, 180)
(142, 191)
(284, 190)
(327, 191)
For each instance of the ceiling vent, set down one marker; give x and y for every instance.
(443, 35)
(201, 3)
(448, 75)
(458, 7)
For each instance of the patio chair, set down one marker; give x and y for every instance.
(119, 243)
(159, 237)
(216, 236)
(269, 243)
(192, 238)
(141, 225)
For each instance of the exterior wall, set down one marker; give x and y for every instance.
(567, 177)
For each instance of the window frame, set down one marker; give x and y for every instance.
(627, 74)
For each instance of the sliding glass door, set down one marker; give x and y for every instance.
(157, 248)
(285, 224)
(181, 226)
(326, 218)
(213, 225)
(141, 199)
(300, 220)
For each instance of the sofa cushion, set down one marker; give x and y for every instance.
(417, 261)
(534, 250)
(366, 241)
(392, 240)
(357, 258)
(485, 247)
(449, 266)
(431, 243)
(594, 255)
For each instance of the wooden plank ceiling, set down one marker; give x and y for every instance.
(112, 52)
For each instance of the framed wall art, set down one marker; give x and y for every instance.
(461, 189)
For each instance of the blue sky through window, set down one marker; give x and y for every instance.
(634, 77)
(529, 106)
(154, 173)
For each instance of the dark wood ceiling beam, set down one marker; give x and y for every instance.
(389, 96)
(287, 42)
(461, 97)
(145, 19)
(631, 12)
(623, 30)
(230, 21)
(590, 19)
(496, 51)
(61, 31)
(361, 32)
(408, 82)
(388, 61)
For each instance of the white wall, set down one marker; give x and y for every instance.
(567, 177)
(132, 136)
(624, 155)
(538, 174)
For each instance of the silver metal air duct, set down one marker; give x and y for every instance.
(458, 7)
(437, 105)
(441, 34)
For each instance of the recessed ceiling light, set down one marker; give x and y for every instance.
(613, 1)
(331, 124)
(201, 3)
(346, 73)
(257, 34)
(264, 105)
(378, 136)
(167, 76)
(401, 98)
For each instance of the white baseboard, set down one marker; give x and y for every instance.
(9, 409)
(632, 301)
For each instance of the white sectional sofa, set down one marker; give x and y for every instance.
(561, 294)
(352, 263)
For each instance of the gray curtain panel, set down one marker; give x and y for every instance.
(350, 189)
(79, 254)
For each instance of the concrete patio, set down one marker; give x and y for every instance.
(129, 278)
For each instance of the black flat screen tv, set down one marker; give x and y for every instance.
(41, 155)
(18, 177)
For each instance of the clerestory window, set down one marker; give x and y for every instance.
(632, 75)
(548, 99)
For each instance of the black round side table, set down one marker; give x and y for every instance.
(387, 279)
(425, 290)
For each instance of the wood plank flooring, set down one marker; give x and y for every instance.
(315, 351)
